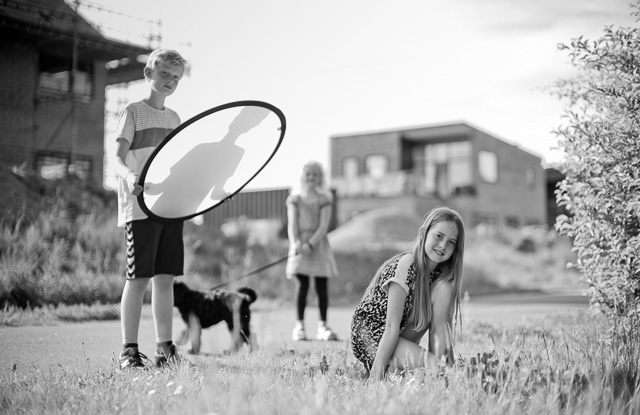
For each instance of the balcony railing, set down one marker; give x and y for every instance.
(397, 183)
(391, 184)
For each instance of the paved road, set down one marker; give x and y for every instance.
(91, 345)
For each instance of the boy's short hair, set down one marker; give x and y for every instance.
(159, 56)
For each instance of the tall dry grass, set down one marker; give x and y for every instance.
(560, 365)
(70, 251)
(556, 366)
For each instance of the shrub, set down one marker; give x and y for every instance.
(601, 190)
(59, 255)
(64, 249)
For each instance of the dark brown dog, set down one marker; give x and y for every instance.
(203, 309)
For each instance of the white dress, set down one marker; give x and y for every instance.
(320, 262)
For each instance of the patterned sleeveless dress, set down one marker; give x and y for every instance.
(369, 318)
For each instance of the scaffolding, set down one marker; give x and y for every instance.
(117, 26)
(69, 36)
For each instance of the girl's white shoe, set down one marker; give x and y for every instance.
(298, 333)
(326, 334)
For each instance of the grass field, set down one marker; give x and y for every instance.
(553, 364)
(69, 268)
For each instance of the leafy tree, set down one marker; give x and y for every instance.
(601, 191)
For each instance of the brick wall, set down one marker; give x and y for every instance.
(511, 199)
(385, 143)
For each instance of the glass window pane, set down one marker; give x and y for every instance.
(436, 152)
(531, 178)
(488, 166)
(447, 167)
(460, 173)
(376, 165)
(350, 167)
(459, 149)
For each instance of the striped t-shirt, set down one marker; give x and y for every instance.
(144, 127)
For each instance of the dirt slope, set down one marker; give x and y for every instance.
(379, 228)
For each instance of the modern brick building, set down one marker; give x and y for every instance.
(53, 73)
(485, 178)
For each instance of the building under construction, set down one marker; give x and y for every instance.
(54, 69)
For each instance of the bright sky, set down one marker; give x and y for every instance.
(345, 66)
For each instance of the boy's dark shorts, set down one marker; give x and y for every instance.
(154, 248)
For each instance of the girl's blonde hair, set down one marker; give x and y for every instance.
(322, 182)
(451, 269)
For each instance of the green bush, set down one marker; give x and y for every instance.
(602, 167)
(71, 252)
(65, 249)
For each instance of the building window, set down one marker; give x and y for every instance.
(350, 167)
(488, 166)
(448, 168)
(55, 77)
(531, 178)
(57, 165)
(376, 165)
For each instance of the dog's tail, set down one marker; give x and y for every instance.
(249, 292)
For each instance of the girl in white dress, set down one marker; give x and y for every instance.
(310, 256)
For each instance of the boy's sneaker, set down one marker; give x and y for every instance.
(326, 334)
(298, 333)
(131, 358)
(161, 359)
(173, 359)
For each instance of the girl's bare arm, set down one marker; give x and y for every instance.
(389, 340)
(292, 225)
(440, 341)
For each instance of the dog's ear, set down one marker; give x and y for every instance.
(249, 293)
(180, 287)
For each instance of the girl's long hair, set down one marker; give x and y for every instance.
(322, 185)
(451, 270)
(421, 309)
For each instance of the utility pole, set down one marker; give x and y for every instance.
(72, 94)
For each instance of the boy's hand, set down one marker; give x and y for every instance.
(132, 184)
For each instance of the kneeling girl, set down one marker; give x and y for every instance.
(413, 293)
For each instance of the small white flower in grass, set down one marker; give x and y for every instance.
(395, 378)
(152, 391)
(170, 384)
(178, 390)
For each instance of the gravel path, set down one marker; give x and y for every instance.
(82, 346)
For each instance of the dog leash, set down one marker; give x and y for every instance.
(255, 271)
